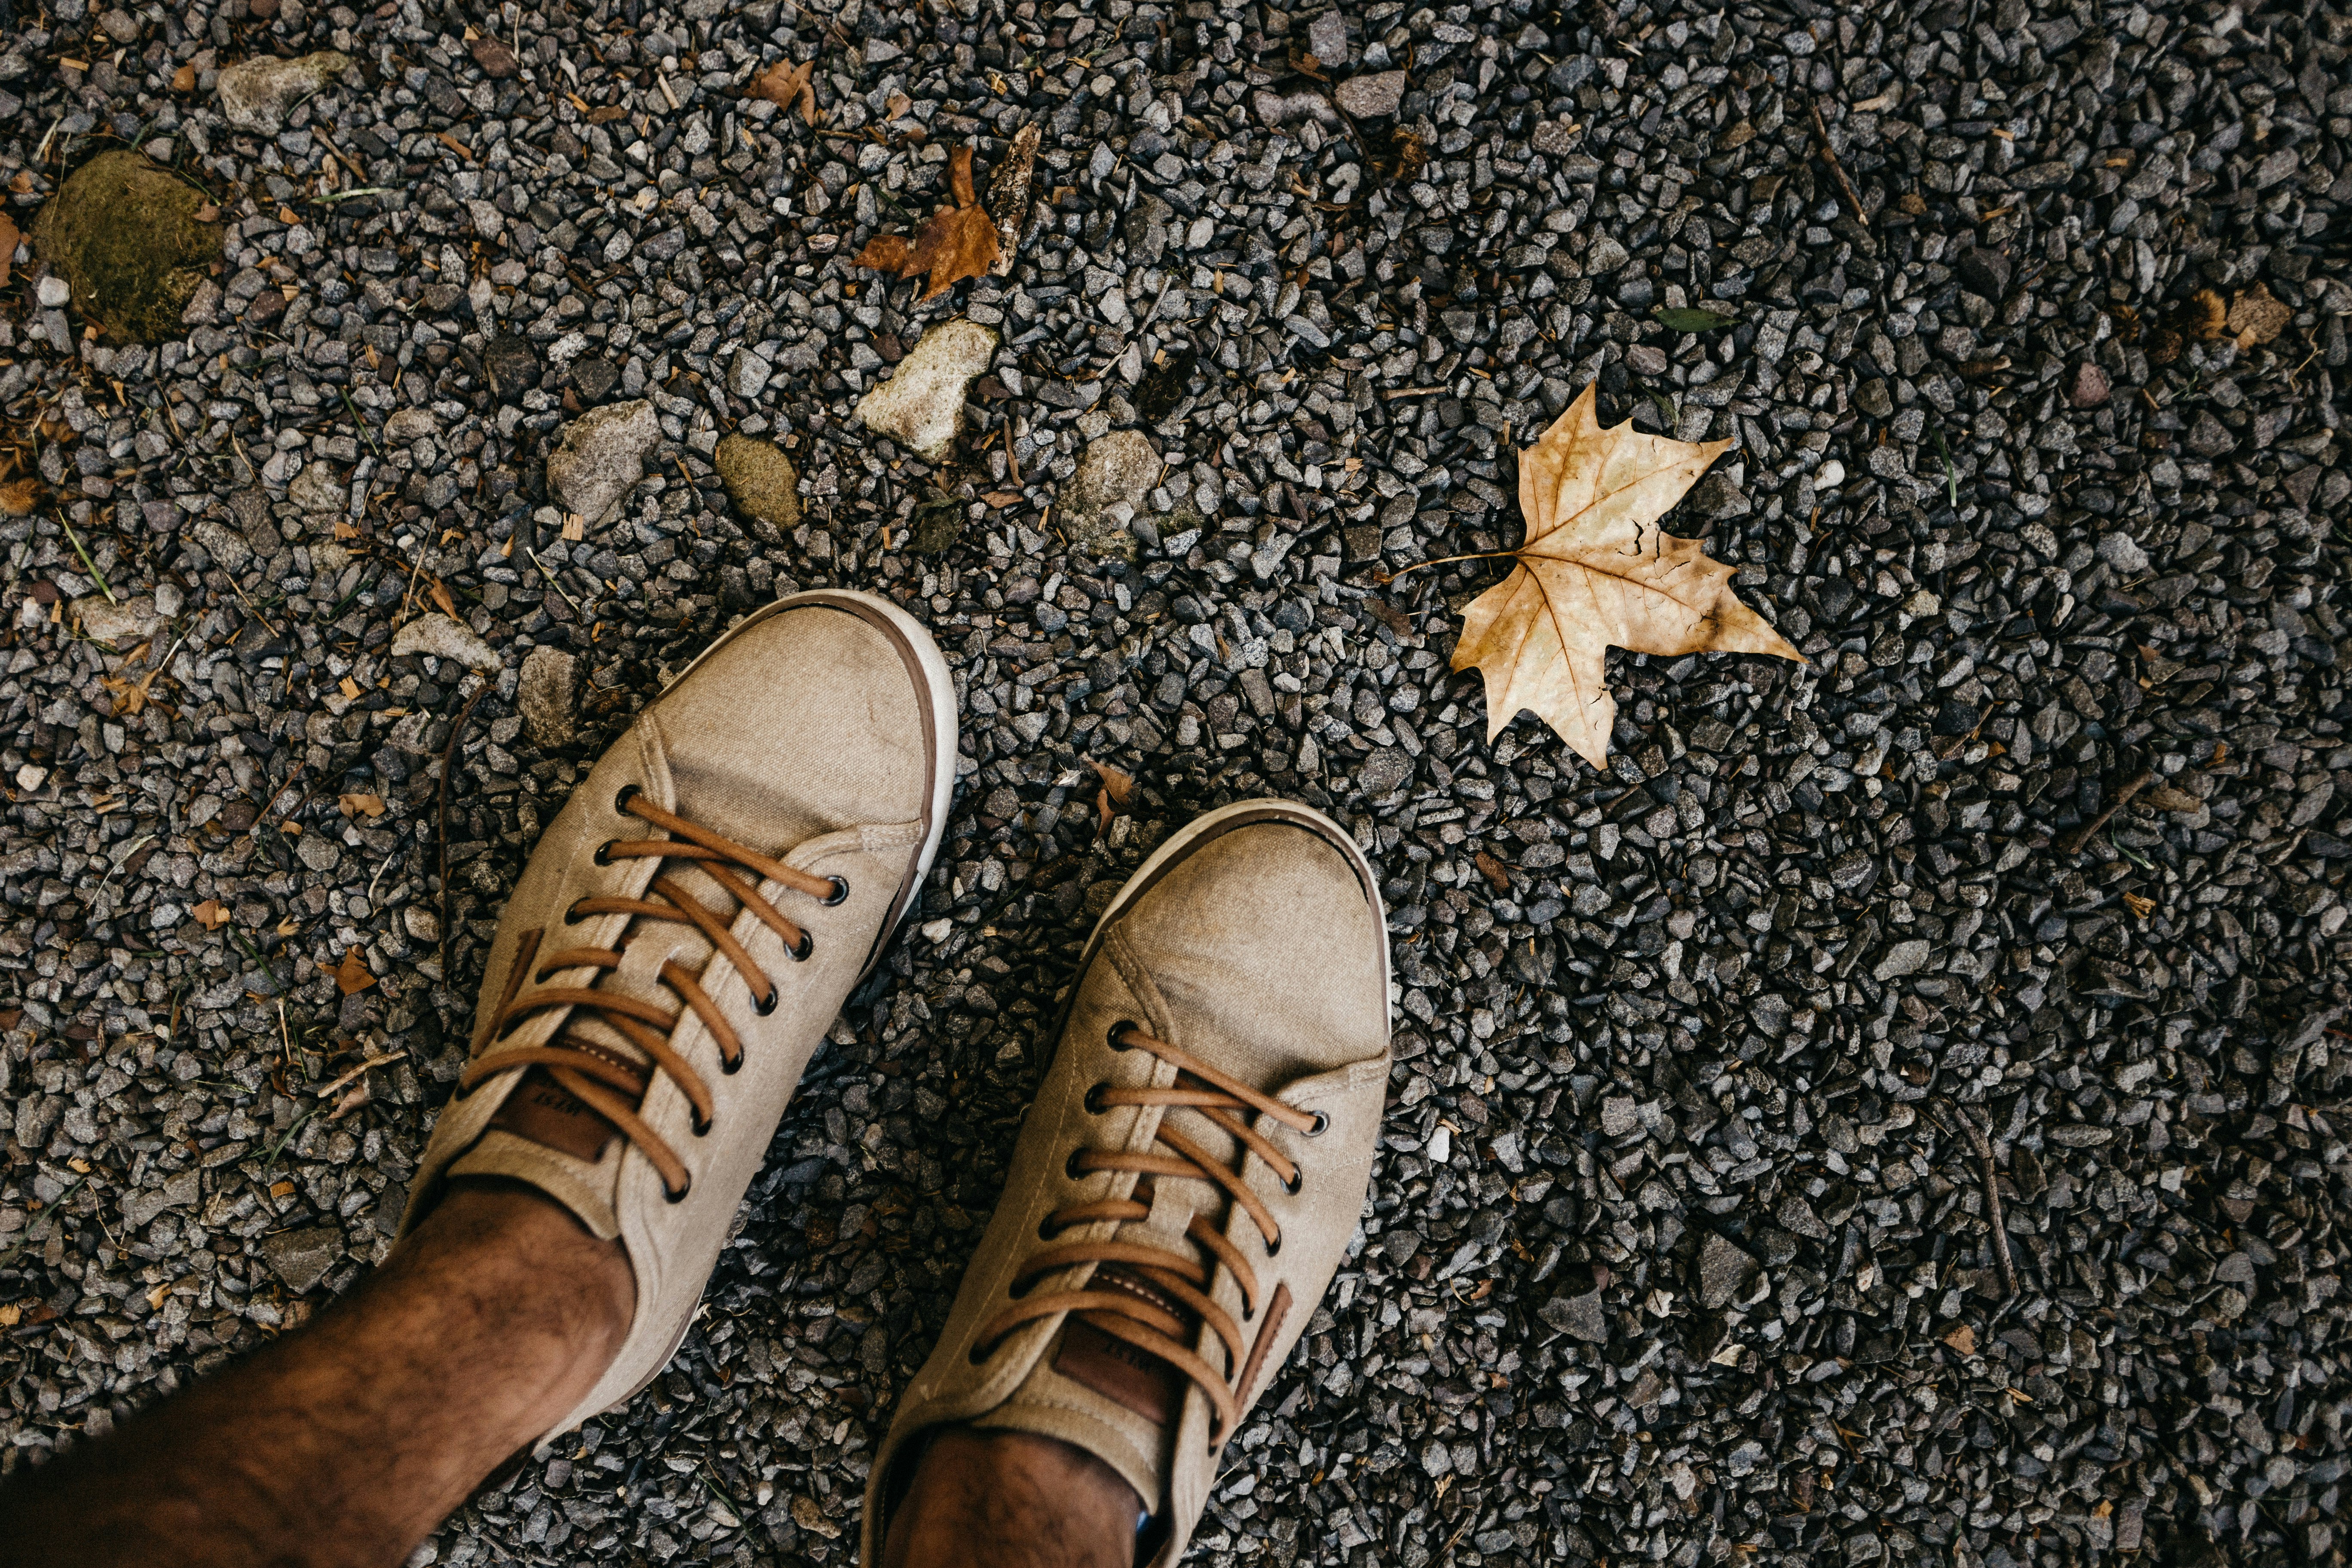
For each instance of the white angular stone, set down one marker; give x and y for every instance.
(921, 405)
(442, 637)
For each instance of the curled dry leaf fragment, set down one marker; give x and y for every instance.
(1596, 573)
(368, 805)
(1494, 871)
(787, 86)
(2204, 317)
(1111, 799)
(212, 913)
(886, 253)
(1013, 196)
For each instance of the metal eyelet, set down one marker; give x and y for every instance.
(808, 946)
(701, 1126)
(1047, 1230)
(766, 1006)
(1274, 1248)
(1093, 1099)
(1070, 1166)
(678, 1196)
(621, 801)
(976, 1355)
(1322, 1125)
(603, 852)
(1297, 1180)
(1116, 1043)
(840, 891)
(733, 1066)
(572, 915)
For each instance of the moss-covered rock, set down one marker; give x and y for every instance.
(760, 479)
(123, 234)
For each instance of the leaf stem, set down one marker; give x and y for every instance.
(1385, 578)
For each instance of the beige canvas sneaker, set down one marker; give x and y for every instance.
(686, 930)
(1191, 1175)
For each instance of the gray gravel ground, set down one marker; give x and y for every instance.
(1678, 1250)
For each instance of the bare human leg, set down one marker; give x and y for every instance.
(345, 1444)
(1008, 1500)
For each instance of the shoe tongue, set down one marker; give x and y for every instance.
(1116, 1370)
(541, 1110)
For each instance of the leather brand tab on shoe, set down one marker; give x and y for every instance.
(1116, 1370)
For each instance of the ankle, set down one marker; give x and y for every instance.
(545, 1263)
(1009, 1499)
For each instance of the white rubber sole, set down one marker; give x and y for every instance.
(938, 690)
(1219, 821)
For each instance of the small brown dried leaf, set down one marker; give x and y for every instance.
(352, 977)
(212, 913)
(368, 805)
(2205, 318)
(185, 78)
(1963, 1339)
(1495, 871)
(2257, 316)
(2141, 907)
(9, 240)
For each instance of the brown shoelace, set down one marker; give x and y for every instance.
(593, 1073)
(1126, 1315)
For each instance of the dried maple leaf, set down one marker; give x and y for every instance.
(959, 242)
(213, 913)
(1596, 573)
(787, 85)
(352, 977)
(2257, 316)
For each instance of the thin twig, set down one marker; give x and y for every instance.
(1829, 156)
(1999, 1217)
(441, 815)
(2082, 835)
(1384, 579)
